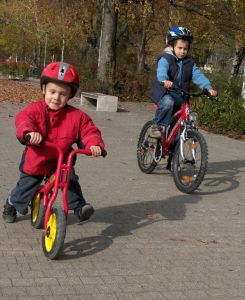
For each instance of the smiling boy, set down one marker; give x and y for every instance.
(54, 120)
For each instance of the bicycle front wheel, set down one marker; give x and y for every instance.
(146, 149)
(53, 240)
(37, 211)
(190, 162)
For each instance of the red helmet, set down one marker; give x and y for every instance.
(61, 72)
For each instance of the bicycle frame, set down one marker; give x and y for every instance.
(58, 180)
(182, 114)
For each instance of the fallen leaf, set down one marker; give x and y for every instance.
(152, 216)
(207, 242)
(177, 239)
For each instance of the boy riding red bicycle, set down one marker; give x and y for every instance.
(174, 67)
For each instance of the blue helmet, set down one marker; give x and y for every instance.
(177, 33)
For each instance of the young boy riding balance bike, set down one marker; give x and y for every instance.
(174, 67)
(53, 120)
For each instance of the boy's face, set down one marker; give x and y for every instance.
(181, 48)
(56, 95)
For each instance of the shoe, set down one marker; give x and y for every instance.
(9, 212)
(24, 212)
(84, 213)
(155, 131)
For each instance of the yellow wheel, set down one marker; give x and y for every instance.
(56, 230)
(37, 211)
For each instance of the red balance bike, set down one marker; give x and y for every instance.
(43, 213)
(182, 143)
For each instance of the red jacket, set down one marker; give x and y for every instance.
(63, 127)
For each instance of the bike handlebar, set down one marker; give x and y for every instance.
(196, 94)
(80, 151)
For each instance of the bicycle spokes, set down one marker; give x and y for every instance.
(190, 161)
(146, 150)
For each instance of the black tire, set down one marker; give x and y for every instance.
(145, 144)
(37, 211)
(189, 173)
(56, 231)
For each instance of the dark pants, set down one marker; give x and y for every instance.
(28, 185)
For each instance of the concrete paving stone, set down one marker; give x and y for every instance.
(32, 274)
(142, 296)
(86, 289)
(5, 282)
(81, 297)
(39, 291)
(21, 282)
(58, 297)
(91, 280)
(14, 291)
(90, 272)
(30, 298)
(9, 274)
(194, 294)
(48, 281)
(64, 281)
(18, 267)
(36, 297)
(63, 290)
(225, 298)
(174, 295)
(109, 296)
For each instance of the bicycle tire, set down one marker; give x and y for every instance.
(189, 172)
(37, 211)
(53, 241)
(143, 146)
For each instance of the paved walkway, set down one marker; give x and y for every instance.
(146, 240)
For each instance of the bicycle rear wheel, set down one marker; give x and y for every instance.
(190, 167)
(146, 149)
(53, 240)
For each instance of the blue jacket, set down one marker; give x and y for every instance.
(181, 72)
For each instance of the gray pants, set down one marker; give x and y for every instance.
(28, 185)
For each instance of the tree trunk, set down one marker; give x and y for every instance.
(107, 50)
(141, 53)
(243, 84)
(237, 60)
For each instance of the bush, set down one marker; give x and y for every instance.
(225, 115)
(15, 69)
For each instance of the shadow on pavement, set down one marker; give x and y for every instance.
(124, 219)
(222, 177)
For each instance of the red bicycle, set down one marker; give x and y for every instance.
(182, 143)
(43, 214)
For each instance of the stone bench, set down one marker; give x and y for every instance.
(102, 102)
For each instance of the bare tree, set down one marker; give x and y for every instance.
(107, 49)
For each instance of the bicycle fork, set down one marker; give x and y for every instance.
(183, 138)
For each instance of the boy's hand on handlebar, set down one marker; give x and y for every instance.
(168, 84)
(35, 138)
(212, 92)
(96, 151)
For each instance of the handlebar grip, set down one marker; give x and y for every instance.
(27, 138)
(103, 153)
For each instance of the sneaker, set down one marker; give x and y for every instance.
(9, 213)
(155, 131)
(84, 213)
